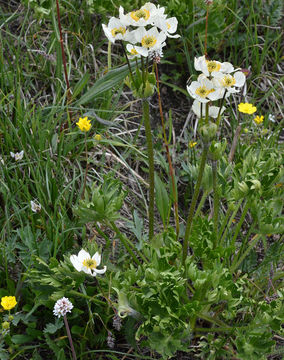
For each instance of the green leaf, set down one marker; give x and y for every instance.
(52, 328)
(21, 339)
(112, 79)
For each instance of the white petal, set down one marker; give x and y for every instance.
(240, 78)
(102, 271)
(97, 257)
(75, 262)
(227, 67)
(83, 255)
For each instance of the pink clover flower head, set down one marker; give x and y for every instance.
(62, 307)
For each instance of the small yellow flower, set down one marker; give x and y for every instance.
(258, 119)
(246, 130)
(246, 108)
(84, 124)
(98, 137)
(192, 144)
(8, 302)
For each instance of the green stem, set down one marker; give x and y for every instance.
(229, 223)
(224, 223)
(90, 298)
(215, 203)
(125, 242)
(201, 203)
(128, 63)
(109, 56)
(240, 223)
(194, 201)
(236, 262)
(87, 165)
(220, 109)
(147, 125)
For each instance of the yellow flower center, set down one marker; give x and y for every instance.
(213, 66)
(202, 91)
(90, 263)
(140, 14)
(133, 52)
(148, 41)
(228, 81)
(168, 26)
(116, 31)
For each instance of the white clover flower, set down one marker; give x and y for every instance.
(150, 40)
(199, 110)
(62, 307)
(115, 30)
(84, 262)
(211, 67)
(136, 51)
(35, 206)
(142, 17)
(168, 26)
(202, 90)
(17, 156)
(228, 82)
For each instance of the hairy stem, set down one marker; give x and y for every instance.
(215, 202)
(150, 151)
(69, 337)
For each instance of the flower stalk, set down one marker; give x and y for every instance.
(194, 201)
(69, 337)
(215, 202)
(146, 117)
(171, 170)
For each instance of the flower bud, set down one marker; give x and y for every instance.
(5, 325)
(208, 131)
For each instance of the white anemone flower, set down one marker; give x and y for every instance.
(115, 30)
(84, 262)
(228, 83)
(150, 40)
(136, 51)
(17, 156)
(212, 67)
(168, 26)
(199, 110)
(142, 17)
(202, 90)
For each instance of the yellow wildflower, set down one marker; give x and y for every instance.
(84, 124)
(258, 119)
(98, 137)
(246, 130)
(192, 144)
(8, 302)
(246, 108)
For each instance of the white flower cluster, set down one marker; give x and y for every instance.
(217, 80)
(62, 307)
(145, 30)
